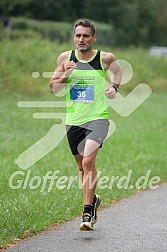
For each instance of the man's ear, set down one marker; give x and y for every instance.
(94, 37)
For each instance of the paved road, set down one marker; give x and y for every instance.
(134, 224)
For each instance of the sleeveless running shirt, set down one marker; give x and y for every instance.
(85, 96)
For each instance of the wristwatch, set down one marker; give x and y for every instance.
(116, 87)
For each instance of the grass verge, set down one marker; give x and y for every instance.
(139, 144)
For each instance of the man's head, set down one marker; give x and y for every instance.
(84, 35)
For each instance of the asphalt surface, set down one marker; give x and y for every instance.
(134, 224)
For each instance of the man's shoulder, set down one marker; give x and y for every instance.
(108, 56)
(107, 59)
(64, 56)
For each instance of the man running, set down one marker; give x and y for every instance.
(83, 73)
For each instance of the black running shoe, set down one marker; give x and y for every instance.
(86, 224)
(95, 205)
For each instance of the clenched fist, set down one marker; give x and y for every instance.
(110, 92)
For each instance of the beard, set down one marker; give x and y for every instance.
(84, 49)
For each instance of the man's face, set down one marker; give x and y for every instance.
(83, 38)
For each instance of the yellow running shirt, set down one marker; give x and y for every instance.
(85, 96)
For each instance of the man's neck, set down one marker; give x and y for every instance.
(85, 56)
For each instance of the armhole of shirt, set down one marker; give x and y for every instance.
(101, 62)
(70, 55)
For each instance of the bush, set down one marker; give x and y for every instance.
(104, 34)
(59, 31)
(29, 34)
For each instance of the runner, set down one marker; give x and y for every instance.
(83, 73)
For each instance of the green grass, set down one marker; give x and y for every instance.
(22, 57)
(139, 143)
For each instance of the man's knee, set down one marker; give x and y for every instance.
(87, 162)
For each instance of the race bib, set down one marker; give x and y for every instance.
(82, 93)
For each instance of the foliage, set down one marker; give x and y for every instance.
(133, 22)
(57, 31)
(21, 57)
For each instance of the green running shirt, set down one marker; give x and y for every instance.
(85, 96)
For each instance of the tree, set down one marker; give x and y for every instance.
(133, 22)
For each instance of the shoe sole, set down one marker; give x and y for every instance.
(86, 227)
(96, 206)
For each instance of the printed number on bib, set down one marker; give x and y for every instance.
(82, 93)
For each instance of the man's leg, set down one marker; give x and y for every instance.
(84, 177)
(88, 182)
(78, 159)
(89, 170)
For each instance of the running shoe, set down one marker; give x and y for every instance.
(95, 205)
(86, 224)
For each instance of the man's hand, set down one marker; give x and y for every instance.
(69, 67)
(110, 92)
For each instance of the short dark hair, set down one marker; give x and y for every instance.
(85, 23)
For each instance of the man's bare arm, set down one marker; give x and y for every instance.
(112, 66)
(61, 73)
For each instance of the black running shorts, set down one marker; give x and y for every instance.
(95, 130)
